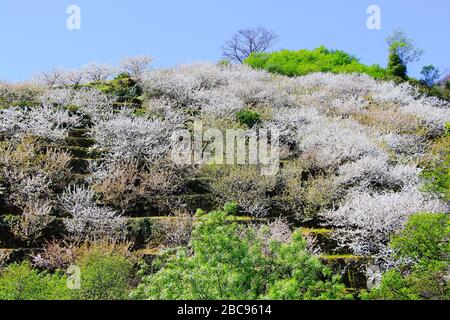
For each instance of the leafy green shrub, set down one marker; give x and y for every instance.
(423, 250)
(121, 86)
(425, 238)
(302, 62)
(437, 173)
(248, 117)
(396, 67)
(104, 275)
(232, 261)
(122, 75)
(21, 282)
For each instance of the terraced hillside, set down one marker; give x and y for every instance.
(88, 162)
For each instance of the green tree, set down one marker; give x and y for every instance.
(231, 261)
(302, 62)
(430, 74)
(404, 47)
(396, 67)
(402, 51)
(423, 252)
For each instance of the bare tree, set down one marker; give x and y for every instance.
(248, 41)
(74, 77)
(98, 72)
(135, 66)
(51, 79)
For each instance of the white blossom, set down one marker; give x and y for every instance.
(333, 143)
(376, 172)
(129, 137)
(135, 66)
(88, 220)
(98, 72)
(367, 221)
(46, 122)
(51, 79)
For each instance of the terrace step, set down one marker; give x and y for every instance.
(80, 142)
(79, 133)
(81, 165)
(323, 240)
(160, 205)
(77, 152)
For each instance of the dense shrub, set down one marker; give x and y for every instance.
(248, 117)
(33, 177)
(105, 274)
(437, 171)
(87, 220)
(21, 282)
(396, 67)
(45, 122)
(248, 187)
(231, 261)
(302, 62)
(121, 86)
(423, 253)
(55, 256)
(126, 185)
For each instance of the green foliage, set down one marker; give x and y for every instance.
(439, 179)
(121, 86)
(396, 67)
(224, 63)
(21, 282)
(248, 117)
(425, 238)
(122, 75)
(231, 208)
(104, 276)
(430, 74)
(437, 174)
(302, 62)
(425, 241)
(404, 47)
(231, 261)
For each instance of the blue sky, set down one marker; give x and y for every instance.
(34, 36)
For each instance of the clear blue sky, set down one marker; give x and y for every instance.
(34, 36)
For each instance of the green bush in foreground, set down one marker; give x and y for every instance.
(423, 248)
(104, 276)
(303, 62)
(231, 261)
(21, 282)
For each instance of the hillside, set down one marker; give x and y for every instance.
(358, 158)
